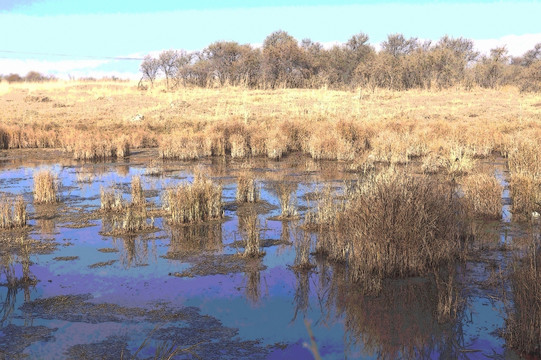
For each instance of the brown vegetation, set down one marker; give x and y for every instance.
(396, 225)
(12, 213)
(46, 186)
(196, 202)
(483, 195)
(523, 331)
(247, 189)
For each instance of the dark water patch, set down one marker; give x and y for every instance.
(14, 339)
(264, 243)
(66, 258)
(102, 264)
(108, 250)
(205, 265)
(112, 348)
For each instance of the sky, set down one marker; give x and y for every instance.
(109, 37)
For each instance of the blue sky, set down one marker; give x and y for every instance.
(88, 33)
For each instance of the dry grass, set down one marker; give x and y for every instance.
(483, 195)
(525, 184)
(247, 189)
(12, 213)
(250, 227)
(137, 195)
(46, 185)
(523, 330)
(193, 203)
(286, 192)
(111, 200)
(393, 127)
(397, 226)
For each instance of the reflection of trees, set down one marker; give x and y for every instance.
(403, 321)
(195, 238)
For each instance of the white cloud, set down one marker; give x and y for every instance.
(517, 45)
(23, 66)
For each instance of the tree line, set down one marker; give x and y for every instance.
(400, 64)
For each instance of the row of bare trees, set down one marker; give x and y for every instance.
(400, 64)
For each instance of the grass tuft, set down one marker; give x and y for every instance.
(46, 186)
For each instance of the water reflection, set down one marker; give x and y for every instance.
(410, 318)
(135, 251)
(15, 275)
(252, 277)
(193, 239)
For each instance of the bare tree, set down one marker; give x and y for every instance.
(150, 68)
(168, 64)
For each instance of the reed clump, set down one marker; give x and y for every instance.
(525, 180)
(92, 149)
(137, 195)
(185, 147)
(523, 324)
(111, 200)
(287, 198)
(483, 195)
(250, 227)
(193, 203)
(12, 213)
(46, 185)
(247, 189)
(460, 161)
(398, 225)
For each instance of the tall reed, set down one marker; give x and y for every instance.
(196, 202)
(12, 213)
(46, 186)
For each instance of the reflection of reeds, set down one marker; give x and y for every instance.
(46, 186)
(12, 213)
(253, 283)
(401, 322)
(523, 324)
(195, 238)
(193, 203)
(302, 293)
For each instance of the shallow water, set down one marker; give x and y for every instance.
(120, 291)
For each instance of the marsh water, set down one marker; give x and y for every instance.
(93, 295)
